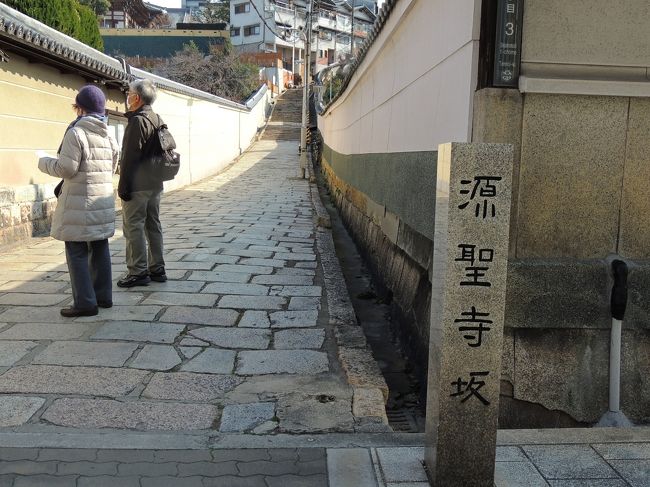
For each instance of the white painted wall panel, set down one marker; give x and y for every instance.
(35, 108)
(415, 87)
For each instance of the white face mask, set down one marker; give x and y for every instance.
(131, 102)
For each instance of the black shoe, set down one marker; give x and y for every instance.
(130, 281)
(158, 276)
(105, 304)
(74, 312)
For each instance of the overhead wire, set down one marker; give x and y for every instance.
(264, 21)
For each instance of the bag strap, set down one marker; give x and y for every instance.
(70, 127)
(146, 117)
(149, 145)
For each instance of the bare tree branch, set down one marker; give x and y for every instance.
(221, 73)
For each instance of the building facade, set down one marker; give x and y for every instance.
(131, 14)
(278, 25)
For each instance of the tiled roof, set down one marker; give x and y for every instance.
(27, 36)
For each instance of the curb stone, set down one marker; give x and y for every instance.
(370, 390)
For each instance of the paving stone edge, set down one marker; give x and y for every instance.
(58, 437)
(361, 370)
(125, 440)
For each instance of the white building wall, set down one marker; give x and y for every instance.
(415, 87)
(36, 110)
(252, 18)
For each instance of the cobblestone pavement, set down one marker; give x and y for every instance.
(244, 369)
(237, 340)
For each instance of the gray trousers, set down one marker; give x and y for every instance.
(89, 264)
(141, 224)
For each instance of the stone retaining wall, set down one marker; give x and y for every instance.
(25, 211)
(397, 255)
(556, 343)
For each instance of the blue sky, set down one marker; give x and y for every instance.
(167, 3)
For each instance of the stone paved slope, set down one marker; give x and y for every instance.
(286, 117)
(238, 340)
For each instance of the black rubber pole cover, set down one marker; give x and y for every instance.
(619, 290)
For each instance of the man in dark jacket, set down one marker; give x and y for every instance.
(140, 189)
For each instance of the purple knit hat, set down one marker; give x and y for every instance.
(91, 99)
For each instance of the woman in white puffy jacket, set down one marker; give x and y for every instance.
(85, 213)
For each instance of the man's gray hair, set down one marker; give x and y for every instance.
(145, 89)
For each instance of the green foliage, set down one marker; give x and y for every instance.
(66, 16)
(332, 87)
(100, 7)
(214, 12)
(89, 28)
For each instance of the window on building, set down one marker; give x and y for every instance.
(242, 8)
(234, 31)
(252, 30)
(343, 39)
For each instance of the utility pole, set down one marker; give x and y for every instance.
(305, 94)
(293, 51)
(352, 31)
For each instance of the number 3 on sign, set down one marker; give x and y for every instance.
(510, 28)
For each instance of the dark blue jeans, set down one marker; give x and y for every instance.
(89, 264)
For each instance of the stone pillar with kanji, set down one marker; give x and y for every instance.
(470, 257)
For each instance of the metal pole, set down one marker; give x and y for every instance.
(305, 94)
(615, 417)
(317, 44)
(352, 30)
(293, 51)
(615, 366)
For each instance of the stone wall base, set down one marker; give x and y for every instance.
(397, 256)
(552, 376)
(25, 212)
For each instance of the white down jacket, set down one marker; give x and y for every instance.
(87, 160)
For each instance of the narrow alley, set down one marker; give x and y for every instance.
(246, 368)
(237, 340)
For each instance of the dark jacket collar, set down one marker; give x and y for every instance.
(143, 108)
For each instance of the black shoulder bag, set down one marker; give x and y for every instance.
(164, 160)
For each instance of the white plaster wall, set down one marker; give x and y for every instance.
(414, 89)
(35, 109)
